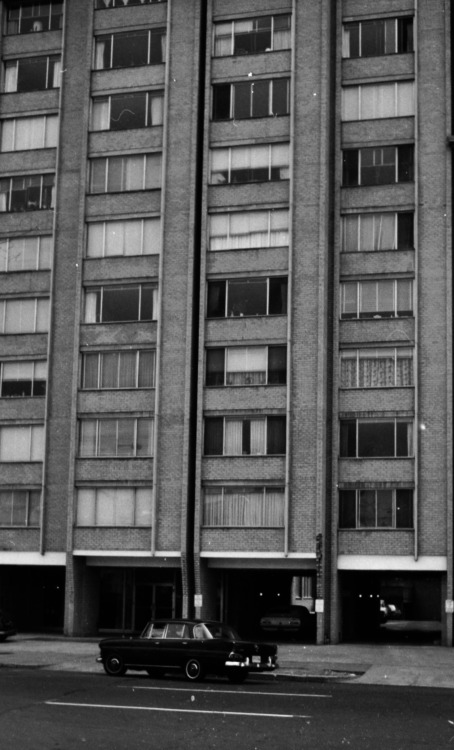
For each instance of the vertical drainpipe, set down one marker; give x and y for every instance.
(416, 427)
(42, 514)
(160, 296)
(290, 287)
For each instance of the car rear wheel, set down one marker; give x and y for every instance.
(236, 676)
(114, 665)
(194, 670)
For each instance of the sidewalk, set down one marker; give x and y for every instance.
(420, 666)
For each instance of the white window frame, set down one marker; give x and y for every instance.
(49, 128)
(349, 286)
(43, 254)
(142, 249)
(88, 511)
(35, 439)
(359, 92)
(40, 315)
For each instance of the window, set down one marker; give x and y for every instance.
(246, 297)
(376, 509)
(384, 298)
(240, 101)
(376, 368)
(33, 193)
(243, 506)
(120, 369)
(130, 49)
(25, 253)
(377, 231)
(249, 164)
(127, 437)
(120, 174)
(103, 4)
(376, 438)
(255, 35)
(114, 506)
(379, 100)
(244, 436)
(20, 379)
(381, 36)
(34, 17)
(384, 165)
(26, 133)
(124, 237)
(20, 507)
(32, 74)
(246, 229)
(246, 365)
(121, 304)
(27, 315)
(22, 443)
(142, 109)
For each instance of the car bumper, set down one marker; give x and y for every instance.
(263, 666)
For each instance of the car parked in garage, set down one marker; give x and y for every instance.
(194, 647)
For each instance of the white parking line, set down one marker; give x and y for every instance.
(177, 710)
(228, 692)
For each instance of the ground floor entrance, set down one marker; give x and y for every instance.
(258, 603)
(34, 596)
(391, 607)
(129, 597)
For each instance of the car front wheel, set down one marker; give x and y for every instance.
(114, 665)
(194, 670)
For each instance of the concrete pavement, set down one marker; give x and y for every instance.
(376, 664)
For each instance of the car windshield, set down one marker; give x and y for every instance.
(217, 630)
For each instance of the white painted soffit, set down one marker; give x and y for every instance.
(33, 558)
(437, 563)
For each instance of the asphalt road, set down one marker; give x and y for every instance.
(43, 710)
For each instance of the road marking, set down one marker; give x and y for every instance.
(176, 710)
(228, 692)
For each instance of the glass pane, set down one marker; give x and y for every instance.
(120, 304)
(367, 508)
(247, 298)
(385, 508)
(145, 437)
(32, 74)
(143, 502)
(147, 369)
(128, 111)
(214, 367)
(127, 375)
(85, 512)
(107, 440)
(347, 509)
(151, 237)
(130, 49)
(90, 371)
(404, 509)
(376, 439)
(109, 370)
(95, 240)
(350, 103)
(87, 437)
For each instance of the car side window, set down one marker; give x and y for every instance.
(176, 630)
(157, 631)
(199, 632)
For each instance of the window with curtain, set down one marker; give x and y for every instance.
(376, 508)
(376, 37)
(32, 74)
(376, 368)
(249, 164)
(28, 315)
(119, 174)
(26, 133)
(30, 193)
(128, 437)
(246, 365)
(382, 298)
(247, 297)
(24, 18)
(249, 99)
(128, 49)
(377, 231)
(376, 438)
(244, 436)
(119, 369)
(121, 304)
(381, 165)
(20, 507)
(140, 109)
(114, 506)
(378, 100)
(252, 36)
(23, 378)
(249, 229)
(243, 506)
(21, 443)
(25, 253)
(124, 237)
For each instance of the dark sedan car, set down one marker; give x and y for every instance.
(195, 647)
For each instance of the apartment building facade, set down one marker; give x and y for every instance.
(226, 315)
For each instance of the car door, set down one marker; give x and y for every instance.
(146, 651)
(175, 645)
